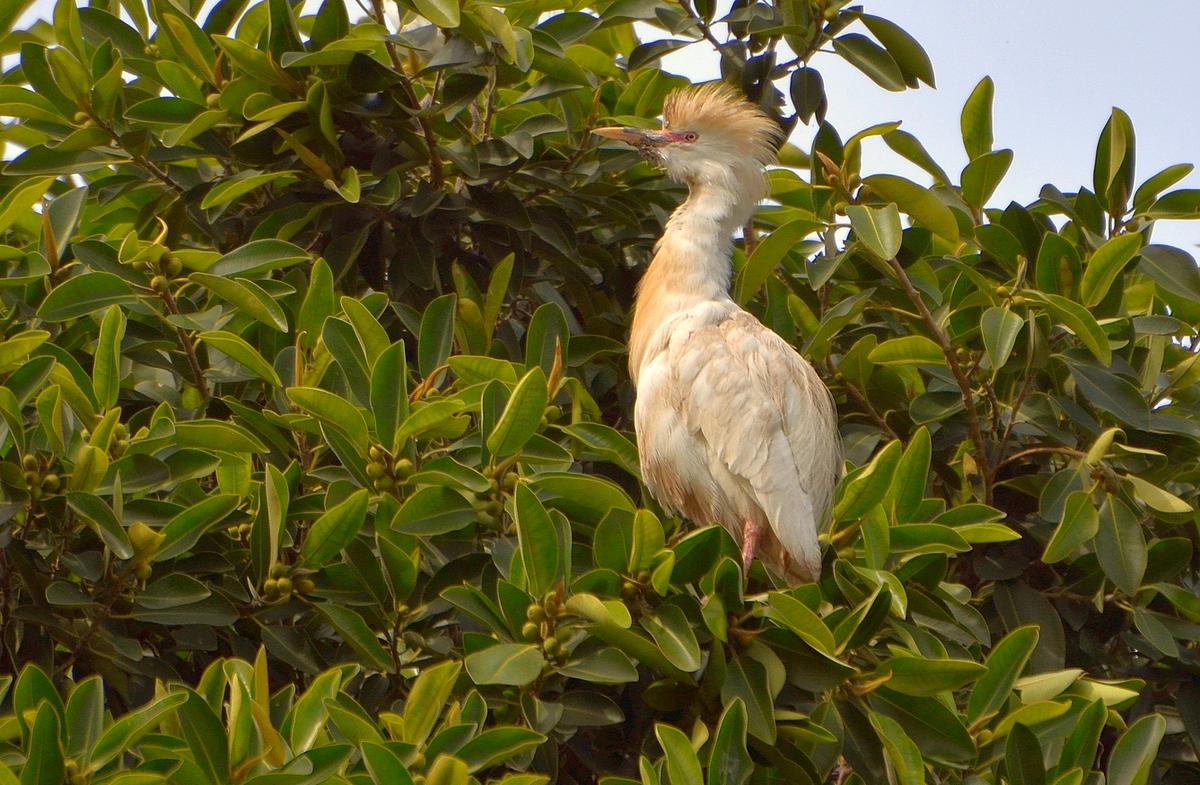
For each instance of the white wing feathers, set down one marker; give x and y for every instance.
(767, 417)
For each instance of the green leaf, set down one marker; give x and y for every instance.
(334, 530)
(919, 676)
(185, 529)
(1112, 394)
(917, 202)
(908, 146)
(1023, 757)
(977, 119)
(237, 349)
(426, 700)
(514, 664)
(258, 256)
(370, 332)
(1000, 328)
(683, 767)
(125, 732)
(1104, 266)
(1173, 270)
(237, 186)
(437, 334)
(869, 487)
(521, 415)
(1136, 751)
(93, 509)
(335, 411)
(908, 350)
(207, 434)
(497, 745)
(982, 176)
(1080, 522)
(904, 49)
(44, 764)
(730, 762)
(85, 294)
(870, 58)
(106, 367)
(434, 510)
(318, 305)
(389, 392)
(84, 719)
(797, 617)
(442, 13)
(355, 632)
(246, 296)
(767, 255)
(877, 228)
(1004, 664)
(746, 680)
(1121, 546)
(903, 754)
(538, 542)
(447, 771)
(674, 636)
(1078, 320)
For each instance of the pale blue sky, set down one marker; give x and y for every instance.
(1059, 67)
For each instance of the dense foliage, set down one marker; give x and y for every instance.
(314, 447)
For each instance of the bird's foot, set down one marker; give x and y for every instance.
(751, 531)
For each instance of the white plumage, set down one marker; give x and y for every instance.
(733, 426)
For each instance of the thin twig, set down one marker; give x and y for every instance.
(189, 348)
(435, 162)
(863, 401)
(1041, 451)
(964, 385)
(1012, 419)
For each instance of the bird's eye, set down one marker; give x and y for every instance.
(690, 136)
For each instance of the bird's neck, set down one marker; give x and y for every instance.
(692, 263)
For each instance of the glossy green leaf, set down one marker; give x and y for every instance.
(1080, 522)
(335, 529)
(237, 349)
(333, 410)
(976, 119)
(84, 294)
(1104, 266)
(1121, 545)
(521, 415)
(1000, 327)
(513, 664)
(877, 228)
(908, 350)
(1136, 751)
(354, 630)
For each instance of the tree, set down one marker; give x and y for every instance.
(315, 419)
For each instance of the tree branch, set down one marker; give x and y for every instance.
(436, 178)
(964, 385)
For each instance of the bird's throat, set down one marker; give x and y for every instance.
(691, 265)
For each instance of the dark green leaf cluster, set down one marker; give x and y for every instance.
(314, 458)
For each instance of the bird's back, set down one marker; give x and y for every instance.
(733, 424)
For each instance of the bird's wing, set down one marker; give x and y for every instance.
(768, 417)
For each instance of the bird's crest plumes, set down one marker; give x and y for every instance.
(720, 108)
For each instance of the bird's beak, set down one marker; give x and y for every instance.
(638, 137)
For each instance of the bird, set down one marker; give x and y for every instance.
(733, 426)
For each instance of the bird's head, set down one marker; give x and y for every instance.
(710, 134)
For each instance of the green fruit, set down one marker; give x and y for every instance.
(375, 470)
(32, 479)
(563, 634)
(384, 483)
(121, 431)
(536, 613)
(51, 483)
(160, 284)
(172, 266)
(213, 100)
(30, 463)
(278, 570)
(530, 631)
(143, 572)
(305, 586)
(552, 646)
(245, 529)
(375, 453)
(510, 481)
(494, 508)
(270, 588)
(284, 585)
(552, 413)
(403, 468)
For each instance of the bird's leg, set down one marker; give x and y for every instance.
(751, 531)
